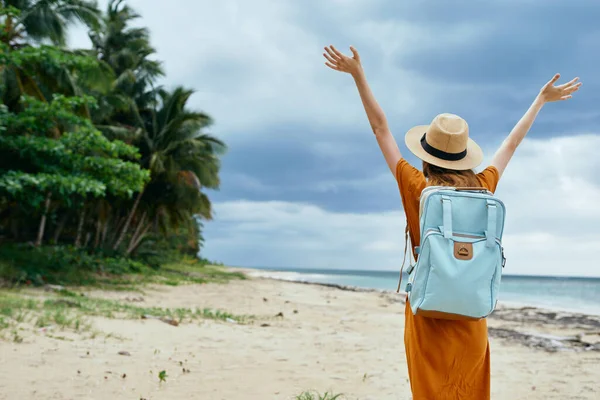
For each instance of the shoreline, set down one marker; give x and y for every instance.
(583, 329)
(286, 276)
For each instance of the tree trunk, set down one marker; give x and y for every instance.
(129, 218)
(59, 228)
(8, 27)
(105, 230)
(138, 241)
(80, 228)
(98, 233)
(141, 223)
(119, 222)
(40, 235)
(88, 236)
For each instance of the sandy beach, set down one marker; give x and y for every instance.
(300, 337)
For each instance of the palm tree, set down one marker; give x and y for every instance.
(29, 22)
(46, 20)
(182, 160)
(127, 51)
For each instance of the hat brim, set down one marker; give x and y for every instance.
(473, 158)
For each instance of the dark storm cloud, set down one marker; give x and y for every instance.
(301, 154)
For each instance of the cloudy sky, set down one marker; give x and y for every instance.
(304, 184)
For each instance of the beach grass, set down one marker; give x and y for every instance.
(174, 274)
(190, 272)
(66, 310)
(312, 395)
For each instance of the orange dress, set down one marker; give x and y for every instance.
(446, 359)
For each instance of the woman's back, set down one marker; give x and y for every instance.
(446, 359)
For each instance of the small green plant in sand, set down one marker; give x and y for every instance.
(208, 313)
(16, 337)
(162, 376)
(311, 395)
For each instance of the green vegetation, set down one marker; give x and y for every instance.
(316, 396)
(162, 376)
(26, 265)
(103, 172)
(70, 311)
(17, 313)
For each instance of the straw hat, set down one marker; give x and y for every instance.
(445, 143)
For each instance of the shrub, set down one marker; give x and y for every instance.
(26, 264)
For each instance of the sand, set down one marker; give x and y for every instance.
(327, 339)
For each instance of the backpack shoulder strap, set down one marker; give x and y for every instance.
(404, 260)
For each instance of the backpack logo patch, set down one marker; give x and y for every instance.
(463, 251)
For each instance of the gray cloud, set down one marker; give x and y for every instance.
(301, 153)
(550, 191)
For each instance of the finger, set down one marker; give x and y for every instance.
(332, 54)
(554, 79)
(354, 53)
(551, 82)
(337, 53)
(570, 83)
(332, 66)
(572, 89)
(566, 97)
(331, 60)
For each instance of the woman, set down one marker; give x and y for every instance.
(446, 359)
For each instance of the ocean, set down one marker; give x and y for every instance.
(557, 293)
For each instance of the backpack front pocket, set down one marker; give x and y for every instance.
(456, 277)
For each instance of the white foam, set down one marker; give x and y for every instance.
(289, 276)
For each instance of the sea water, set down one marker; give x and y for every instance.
(558, 293)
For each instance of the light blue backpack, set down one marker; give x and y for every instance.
(460, 260)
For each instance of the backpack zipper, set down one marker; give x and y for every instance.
(464, 235)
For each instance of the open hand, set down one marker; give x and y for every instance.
(550, 92)
(342, 63)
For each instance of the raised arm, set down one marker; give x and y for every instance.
(377, 119)
(548, 93)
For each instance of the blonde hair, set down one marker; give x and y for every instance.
(438, 176)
